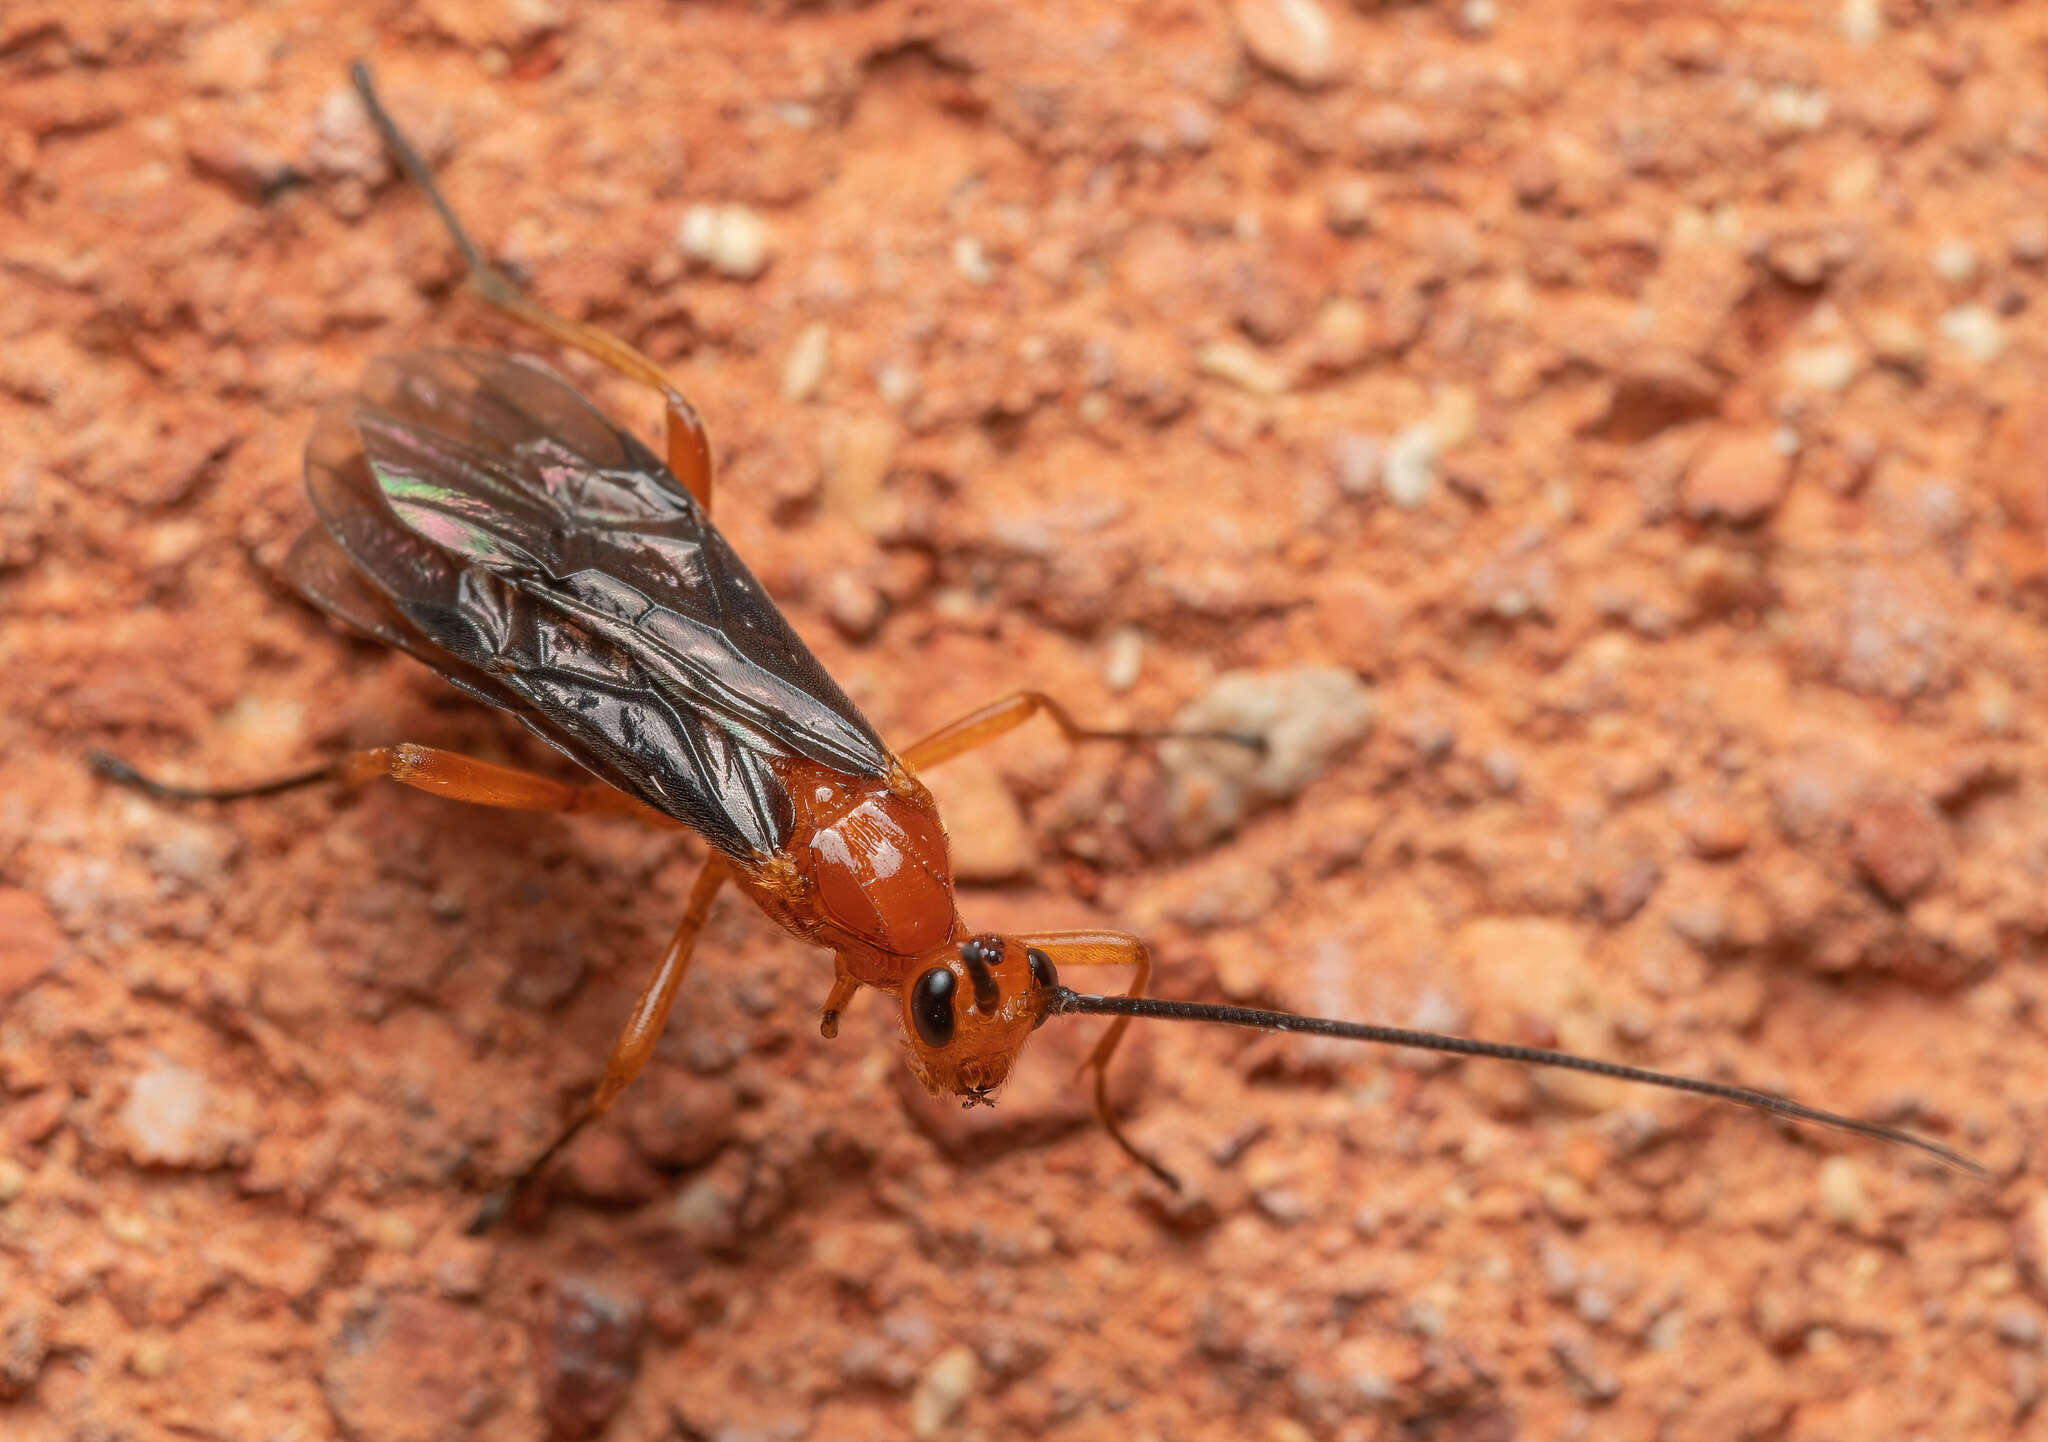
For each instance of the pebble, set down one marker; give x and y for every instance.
(1831, 366)
(1292, 38)
(2027, 242)
(855, 453)
(1841, 1192)
(1124, 658)
(1975, 331)
(231, 59)
(1862, 21)
(13, 1179)
(731, 239)
(1716, 831)
(1478, 17)
(150, 1358)
(942, 1390)
(1740, 478)
(2017, 1326)
(588, 1356)
(165, 1118)
(1896, 339)
(1347, 205)
(1897, 843)
(1307, 716)
(1566, 1198)
(1955, 261)
(970, 261)
(1408, 467)
(803, 371)
(1357, 459)
(1243, 367)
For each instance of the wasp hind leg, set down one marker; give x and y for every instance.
(689, 444)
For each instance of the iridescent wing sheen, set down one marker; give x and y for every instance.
(547, 562)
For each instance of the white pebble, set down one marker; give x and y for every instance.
(731, 239)
(1408, 469)
(1357, 460)
(942, 1391)
(804, 370)
(1975, 331)
(1827, 367)
(1955, 261)
(1841, 1191)
(971, 261)
(1242, 367)
(1862, 21)
(1478, 16)
(1126, 656)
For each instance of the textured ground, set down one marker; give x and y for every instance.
(1648, 405)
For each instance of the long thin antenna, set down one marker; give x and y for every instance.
(119, 771)
(1064, 1001)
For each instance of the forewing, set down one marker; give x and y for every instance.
(519, 531)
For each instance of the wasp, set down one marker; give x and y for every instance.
(478, 513)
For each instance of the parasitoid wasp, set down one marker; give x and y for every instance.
(478, 513)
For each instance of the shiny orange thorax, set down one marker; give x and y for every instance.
(864, 871)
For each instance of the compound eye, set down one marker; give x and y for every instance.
(931, 1007)
(1043, 976)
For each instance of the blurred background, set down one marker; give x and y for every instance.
(1610, 433)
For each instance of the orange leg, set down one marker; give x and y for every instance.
(636, 1041)
(844, 988)
(999, 718)
(1106, 948)
(445, 773)
(689, 446)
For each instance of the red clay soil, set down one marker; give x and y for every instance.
(1645, 400)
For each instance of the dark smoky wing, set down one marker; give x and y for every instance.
(322, 572)
(517, 530)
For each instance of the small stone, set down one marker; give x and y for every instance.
(1307, 717)
(165, 1118)
(1827, 367)
(2027, 242)
(1841, 1192)
(1292, 38)
(1897, 843)
(1477, 17)
(731, 239)
(1740, 478)
(391, 1231)
(1954, 261)
(1242, 367)
(855, 607)
(1343, 334)
(1408, 467)
(1565, 1197)
(941, 1391)
(150, 1358)
(1896, 339)
(1347, 205)
(970, 261)
(1357, 459)
(588, 1356)
(605, 1167)
(985, 832)
(804, 369)
(1862, 22)
(1975, 331)
(13, 1179)
(2017, 1326)
(1124, 658)
(1717, 831)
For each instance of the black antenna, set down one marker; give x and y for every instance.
(1063, 1001)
